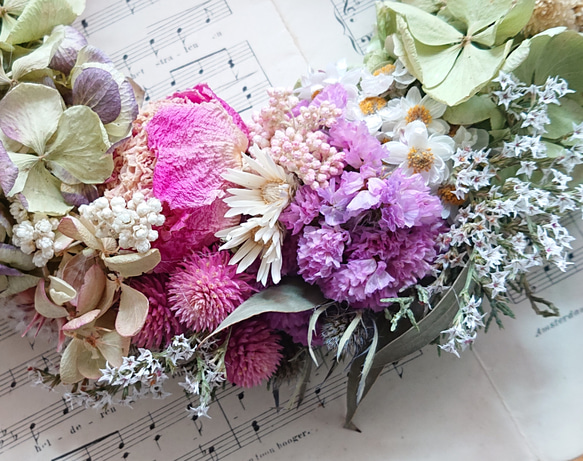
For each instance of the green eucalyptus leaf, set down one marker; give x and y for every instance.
(425, 27)
(292, 294)
(348, 334)
(563, 117)
(515, 20)
(38, 18)
(80, 146)
(368, 363)
(553, 150)
(473, 69)
(430, 326)
(476, 109)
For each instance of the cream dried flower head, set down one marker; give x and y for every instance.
(255, 237)
(265, 192)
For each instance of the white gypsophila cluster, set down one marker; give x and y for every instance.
(463, 330)
(515, 95)
(36, 237)
(130, 223)
(205, 378)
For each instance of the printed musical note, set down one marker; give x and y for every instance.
(255, 427)
(153, 424)
(241, 396)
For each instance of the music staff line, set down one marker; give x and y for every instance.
(110, 15)
(18, 376)
(238, 436)
(5, 330)
(188, 22)
(227, 63)
(348, 15)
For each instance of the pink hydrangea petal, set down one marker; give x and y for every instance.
(194, 145)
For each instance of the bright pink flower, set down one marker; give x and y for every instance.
(161, 324)
(253, 353)
(205, 288)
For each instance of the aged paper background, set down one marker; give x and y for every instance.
(516, 396)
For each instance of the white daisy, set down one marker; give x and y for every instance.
(254, 238)
(315, 82)
(379, 81)
(413, 107)
(264, 193)
(420, 153)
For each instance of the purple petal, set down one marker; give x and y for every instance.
(128, 98)
(66, 55)
(9, 171)
(97, 89)
(93, 54)
(80, 194)
(5, 270)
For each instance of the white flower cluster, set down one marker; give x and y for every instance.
(36, 237)
(130, 223)
(463, 331)
(208, 375)
(514, 95)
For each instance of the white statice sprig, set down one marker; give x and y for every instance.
(463, 331)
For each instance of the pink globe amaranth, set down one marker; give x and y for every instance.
(161, 324)
(253, 353)
(205, 288)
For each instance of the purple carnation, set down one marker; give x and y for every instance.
(302, 211)
(335, 93)
(361, 150)
(320, 251)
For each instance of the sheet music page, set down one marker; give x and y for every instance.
(515, 396)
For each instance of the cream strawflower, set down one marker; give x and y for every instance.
(414, 107)
(265, 193)
(254, 238)
(420, 153)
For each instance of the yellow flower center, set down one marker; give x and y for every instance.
(420, 160)
(447, 196)
(418, 113)
(387, 70)
(273, 192)
(371, 104)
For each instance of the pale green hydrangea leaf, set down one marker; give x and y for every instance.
(18, 284)
(68, 368)
(133, 264)
(536, 46)
(14, 257)
(516, 57)
(436, 62)
(44, 306)
(90, 362)
(24, 163)
(486, 37)
(404, 48)
(133, 310)
(112, 346)
(29, 114)
(80, 146)
(476, 109)
(426, 28)
(473, 69)
(42, 192)
(61, 292)
(40, 16)
(563, 118)
(81, 321)
(4, 79)
(40, 57)
(515, 20)
(478, 16)
(562, 56)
